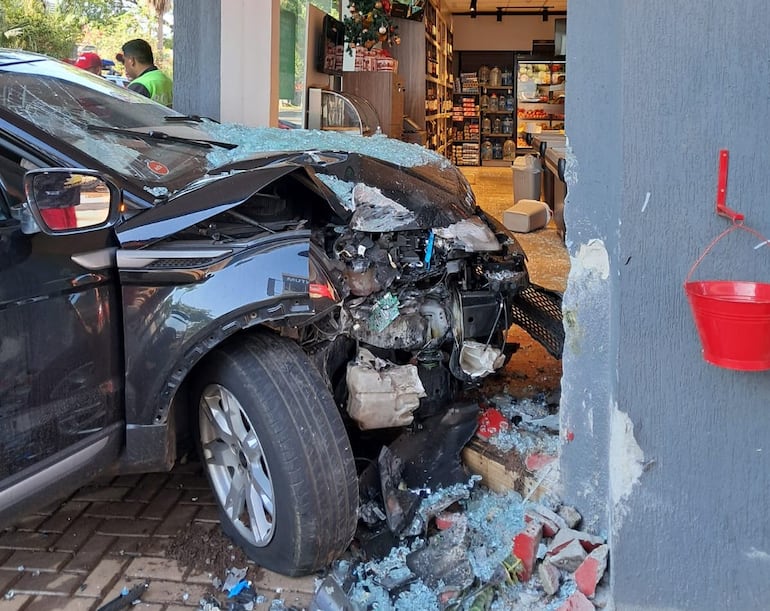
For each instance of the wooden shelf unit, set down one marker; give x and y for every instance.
(425, 65)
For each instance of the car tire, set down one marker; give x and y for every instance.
(276, 454)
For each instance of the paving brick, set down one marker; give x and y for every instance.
(275, 583)
(198, 497)
(62, 519)
(163, 592)
(160, 505)
(571, 515)
(205, 578)
(18, 539)
(568, 556)
(15, 603)
(62, 584)
(90, 554)
(114, 509)
(58, 603)
(128, 547)
(127, 481)
(208, 513)
(155, 546)
(127, 528)
(103, 577)
(33, 560)
(99, 493)
(30, 521)
(549, 577)
(164, 569)
(587, 540)
(7, 580)
(147, 487)
(77, 534)
(188, 481)
(180, 518)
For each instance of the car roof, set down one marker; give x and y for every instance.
(16, 56)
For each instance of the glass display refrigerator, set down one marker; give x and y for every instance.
(329, 110)
(540, 88)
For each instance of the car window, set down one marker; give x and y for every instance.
(79, 108)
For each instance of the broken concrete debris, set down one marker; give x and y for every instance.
(444, 542)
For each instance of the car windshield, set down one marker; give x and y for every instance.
(98, 117)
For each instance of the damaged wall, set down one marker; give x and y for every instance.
(670, 456)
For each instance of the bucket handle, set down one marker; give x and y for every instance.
(737, 224)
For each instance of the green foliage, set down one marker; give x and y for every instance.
(27, 24)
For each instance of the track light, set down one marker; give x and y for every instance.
(473, 9)
(499, 13)
(545, 13)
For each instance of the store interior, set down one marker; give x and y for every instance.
(480, 84)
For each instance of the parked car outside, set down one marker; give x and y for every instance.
(247, 301)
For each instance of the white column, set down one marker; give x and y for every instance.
(249, 62)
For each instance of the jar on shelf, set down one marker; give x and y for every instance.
(510, 103)
(495, 77)
(497, 126)
(497, 150)
(483, 75)
(493, 103)
(509, 150)
(486, 150)
(507, 78)
(486, 125)
(484, 101)
(507, 125)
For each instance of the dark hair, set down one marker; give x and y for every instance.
(140, 50)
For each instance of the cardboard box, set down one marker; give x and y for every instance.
(526, 215)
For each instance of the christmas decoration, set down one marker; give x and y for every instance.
(369, 23)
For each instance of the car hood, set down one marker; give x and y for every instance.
(434, 196)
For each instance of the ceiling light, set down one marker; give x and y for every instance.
(545, 13)
(473, 6)
(499, 13)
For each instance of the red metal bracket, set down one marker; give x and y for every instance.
(722, 209)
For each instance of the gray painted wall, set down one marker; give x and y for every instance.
(197, 53)
(671, 456)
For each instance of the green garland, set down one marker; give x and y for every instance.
(369, 23)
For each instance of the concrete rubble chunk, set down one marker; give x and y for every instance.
(591, 570)
(577, 602)
(551, 521)
(587, 540)
(570, 515)
(525, 546)
(549, 577)
(568, 557)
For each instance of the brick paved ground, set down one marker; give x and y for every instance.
(78, 555)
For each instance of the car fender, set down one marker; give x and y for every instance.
(176, 310)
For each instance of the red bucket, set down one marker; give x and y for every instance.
(732, 317)
(733, 322)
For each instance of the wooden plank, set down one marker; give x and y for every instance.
(505, 471)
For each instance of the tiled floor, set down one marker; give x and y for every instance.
(80, 554)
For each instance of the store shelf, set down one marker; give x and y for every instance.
(428, 83)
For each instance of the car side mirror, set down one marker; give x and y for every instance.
(64, 201)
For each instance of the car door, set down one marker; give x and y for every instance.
(61, 383)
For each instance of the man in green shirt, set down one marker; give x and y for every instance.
(145, 76)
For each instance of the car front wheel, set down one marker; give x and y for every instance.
(276, 454)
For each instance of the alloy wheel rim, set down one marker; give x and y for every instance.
(236, 464)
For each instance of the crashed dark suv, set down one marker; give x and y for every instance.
(268, 295)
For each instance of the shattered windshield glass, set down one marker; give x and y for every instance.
(161, 149)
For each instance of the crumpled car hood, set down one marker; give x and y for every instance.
(434, 196)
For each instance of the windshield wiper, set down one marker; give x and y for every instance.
(162, 136)
(186, 118)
